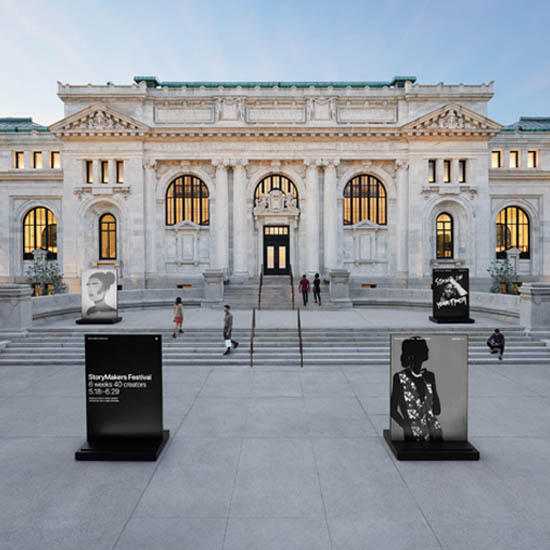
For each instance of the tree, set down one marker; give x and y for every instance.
(503, 273)
(47, 274)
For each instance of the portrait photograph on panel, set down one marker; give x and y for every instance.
(429, 387)
(99, 294)
(450, 293)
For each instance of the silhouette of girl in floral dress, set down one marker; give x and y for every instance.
(415, 403)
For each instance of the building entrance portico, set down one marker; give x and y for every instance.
(276, 221)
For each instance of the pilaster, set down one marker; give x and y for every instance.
(330, 216)
(402, 176)
(312, 216)
(149, 204)
(240, 217)
(221, 216)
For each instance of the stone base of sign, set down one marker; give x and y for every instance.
(450, 320)
(123, 449)
(431, 450)
(109, 321)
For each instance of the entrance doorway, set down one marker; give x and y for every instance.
(276, 250)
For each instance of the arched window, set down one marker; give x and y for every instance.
(187, 199)
(364, 199)
(276, 182)
(444, 236)
(39, 231)
(107, 237)
(512, 231)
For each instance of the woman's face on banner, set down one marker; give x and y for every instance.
(96, 291)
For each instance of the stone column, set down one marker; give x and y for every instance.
(330, 215)
(523, 159)
(221, 216)
(15, 310)
(149, 207)
(534, 309)
(312, 216)
(439, 171)
(240, 219)
(454, 172)
(402, 222)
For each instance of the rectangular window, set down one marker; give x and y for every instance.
(19, 159)
(104, 171)
(120, 171)
(446, 171)
(496, 159)
(532, 159)
(431, 171)
(89, 171)
(514, 159)
(461, 171)
(55, 159)
(37, 159)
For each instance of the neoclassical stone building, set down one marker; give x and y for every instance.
(167, 179)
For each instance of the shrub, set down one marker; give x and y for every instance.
(47, 274)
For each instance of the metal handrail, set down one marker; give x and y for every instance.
(301, 343)
(252, 334)
(260, 287)
(292, 285)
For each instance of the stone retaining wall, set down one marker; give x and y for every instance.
(502, 306)
(65, 305)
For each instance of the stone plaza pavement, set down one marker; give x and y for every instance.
(274, 458)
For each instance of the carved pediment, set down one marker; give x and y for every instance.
(367, 225)
(99, 119)
(452, 119)
(185, 225)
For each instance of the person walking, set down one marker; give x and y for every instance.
(227, 328)
(304, 287)
(317, 289)
(496, 343)
(178, 316)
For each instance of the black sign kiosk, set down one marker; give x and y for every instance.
(451, 296)
(123, 397)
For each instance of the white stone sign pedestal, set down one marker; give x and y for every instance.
(339, 287)
(15, 310)
(213, 287)
(534, 309)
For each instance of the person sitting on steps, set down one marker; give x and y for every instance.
(496, 343)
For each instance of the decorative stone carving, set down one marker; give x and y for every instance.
(456, 118)
(99, 118)
(448, 189)
(369, 243)
(276, 207)
(185, 249)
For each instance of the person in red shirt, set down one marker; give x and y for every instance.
(304, 287)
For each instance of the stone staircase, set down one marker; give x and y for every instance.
(272, 348)
(277, 292)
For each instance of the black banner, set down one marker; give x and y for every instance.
(451, 295)
(124, 386)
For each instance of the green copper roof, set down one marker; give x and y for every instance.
(529, 124)
(154, 82)
(12, 124)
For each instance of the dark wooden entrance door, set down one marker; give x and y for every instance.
(276, 250)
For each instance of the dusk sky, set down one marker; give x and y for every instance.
(436, 41)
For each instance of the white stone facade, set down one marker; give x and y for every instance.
(231, 136)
